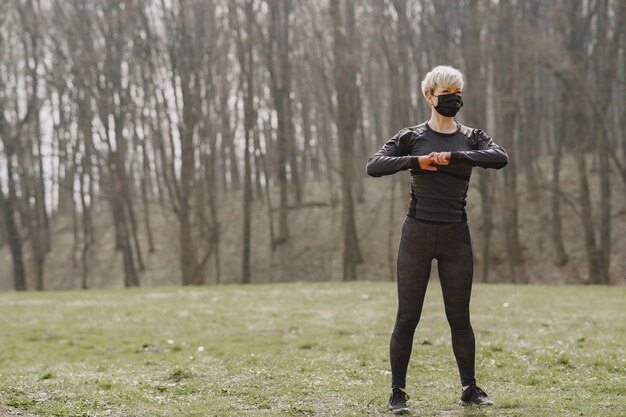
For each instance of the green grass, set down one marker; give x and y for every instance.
(305, 349)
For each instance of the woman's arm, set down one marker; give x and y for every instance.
(394, 156)
(487, 154)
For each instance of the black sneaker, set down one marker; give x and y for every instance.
(474, 395)
(397, 401)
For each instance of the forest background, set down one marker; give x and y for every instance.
(225, 141)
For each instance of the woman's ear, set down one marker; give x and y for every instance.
(430, 99)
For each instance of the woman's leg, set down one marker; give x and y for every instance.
(455, 265)
(415, 254)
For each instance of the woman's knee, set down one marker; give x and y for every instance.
(459, 322)
(406, 323)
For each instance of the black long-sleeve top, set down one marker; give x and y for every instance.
(437, 195)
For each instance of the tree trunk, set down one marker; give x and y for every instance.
(561, 258)
(13, 235)
(280, 86)
(348, 113)
(145, 179)
(246, 63)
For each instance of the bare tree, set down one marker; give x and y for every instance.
(347, 115)
(246, 63)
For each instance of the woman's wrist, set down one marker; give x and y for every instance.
(414, 162)
(455, 156)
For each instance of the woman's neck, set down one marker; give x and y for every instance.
(441, 123)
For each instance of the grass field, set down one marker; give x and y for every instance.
(305, 349)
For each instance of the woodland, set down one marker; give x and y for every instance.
(191, 142)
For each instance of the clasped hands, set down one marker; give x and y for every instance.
(438, 158)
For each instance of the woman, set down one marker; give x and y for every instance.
(440, 155)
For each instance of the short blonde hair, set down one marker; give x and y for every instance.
(442, 76)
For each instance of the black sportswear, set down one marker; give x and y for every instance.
(420, 243)
(437, 195)
(436, 228)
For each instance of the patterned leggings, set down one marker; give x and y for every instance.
(450, 244)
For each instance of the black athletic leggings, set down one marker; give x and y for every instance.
(450, 244)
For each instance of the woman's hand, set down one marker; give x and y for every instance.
(441, 158)
(426, 161)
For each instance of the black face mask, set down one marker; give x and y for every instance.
(448, 104)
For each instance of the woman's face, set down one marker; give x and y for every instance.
(441, 90)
